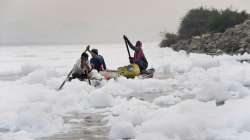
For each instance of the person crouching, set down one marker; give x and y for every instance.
(82, 69)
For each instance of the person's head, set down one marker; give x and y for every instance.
(94, 53)
(138, 44)
(84, 57)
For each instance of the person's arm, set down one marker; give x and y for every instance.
(74, 70)
(104, 64)
(87, 49)
(76, 66)
(129, 43)
(87, 66)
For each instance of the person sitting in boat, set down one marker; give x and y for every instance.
(82, 69)
(139, 57)
(97, 61)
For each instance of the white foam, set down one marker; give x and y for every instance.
(30, 105)
(165, 101)
(122, 130)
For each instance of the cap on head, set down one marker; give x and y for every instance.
(94, 51)
(138, 44)
(84, 56)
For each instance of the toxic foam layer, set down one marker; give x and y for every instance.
(184, 93)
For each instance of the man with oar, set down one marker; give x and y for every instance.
(81, 70)
(139, 57)
(138, 63)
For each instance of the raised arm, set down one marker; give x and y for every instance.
(104, 65)
(129, 43)
(87, 49)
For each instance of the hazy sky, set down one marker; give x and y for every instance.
(96, 21)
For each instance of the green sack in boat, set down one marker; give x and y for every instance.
(129, 71)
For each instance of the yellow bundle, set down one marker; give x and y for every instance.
(129, 71)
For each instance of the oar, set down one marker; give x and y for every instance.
(127, 49)
(61, 86)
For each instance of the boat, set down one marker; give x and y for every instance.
(130, 71)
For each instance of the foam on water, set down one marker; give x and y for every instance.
(31, 107)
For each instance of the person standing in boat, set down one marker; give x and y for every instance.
(139, 57)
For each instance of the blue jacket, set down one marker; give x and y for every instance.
(98, 63)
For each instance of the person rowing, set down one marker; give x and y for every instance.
(139, 57)
(82, 70)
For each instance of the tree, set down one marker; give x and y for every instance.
(201, 21)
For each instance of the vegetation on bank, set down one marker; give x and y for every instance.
(201, 21)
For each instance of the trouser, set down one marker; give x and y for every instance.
(142, 65)
(81, 77)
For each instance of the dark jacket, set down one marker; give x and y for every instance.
(98, 63)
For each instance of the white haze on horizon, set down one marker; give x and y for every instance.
(95, 21)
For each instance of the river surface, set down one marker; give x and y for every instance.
(92, 126)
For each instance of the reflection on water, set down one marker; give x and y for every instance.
(10, 77)
(84, 126)
(90, 126)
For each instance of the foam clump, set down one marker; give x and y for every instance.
(122, 130)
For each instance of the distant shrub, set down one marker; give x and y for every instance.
(226, 19)
(201, 20)
(170, 39)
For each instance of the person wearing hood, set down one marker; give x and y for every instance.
(139, 57)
